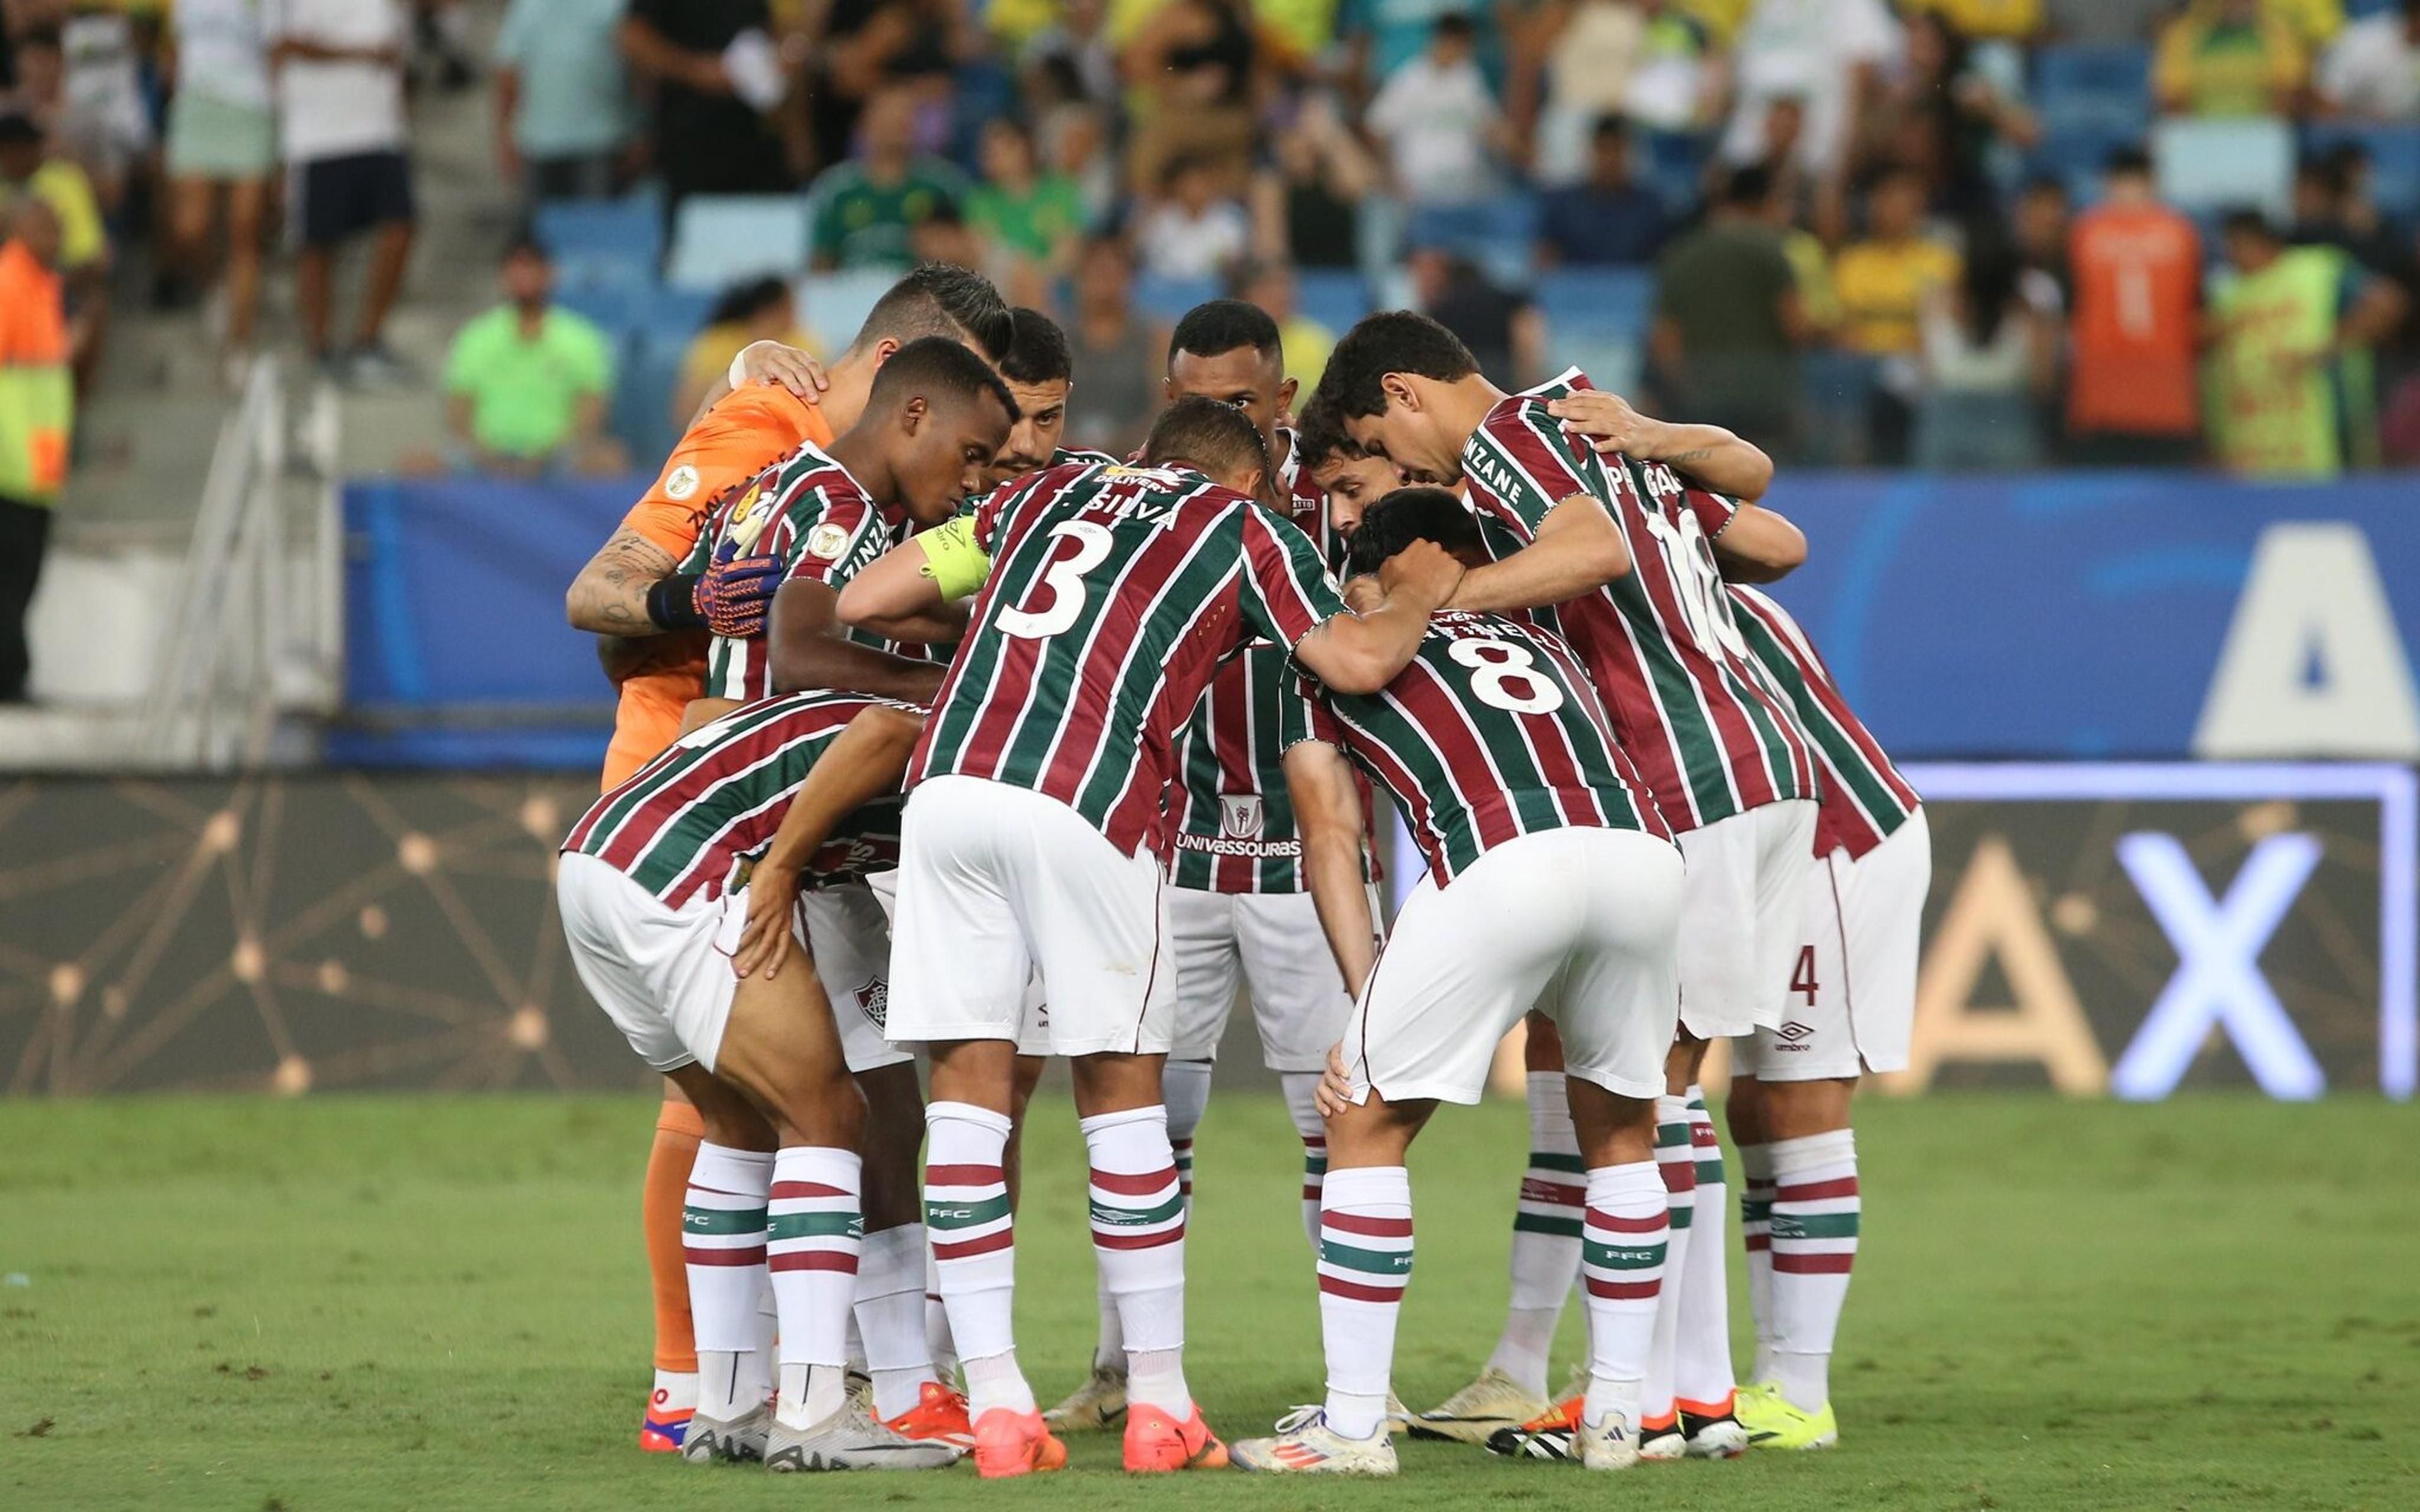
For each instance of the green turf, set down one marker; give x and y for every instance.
(439, 1303)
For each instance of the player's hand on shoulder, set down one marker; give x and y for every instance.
(1423, 572)
(1607, 419)
(762, 361)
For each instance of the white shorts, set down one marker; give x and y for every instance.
(1852, 997)
(1739, 917)
(663, 974)
(1272, 943)
(1580, 924)
(1033, 1027)
(850, 935)
(997, 883)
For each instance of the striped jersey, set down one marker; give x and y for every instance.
(807, 510)
(1865, 799)
(1114, 592)
(683, 824)
(1492, 732)
(1711, 737)
(1230, 824)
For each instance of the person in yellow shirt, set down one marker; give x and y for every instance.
(763, 309)
(1880, 285)
(2230, 57)
(2010, 20)
(36, 407)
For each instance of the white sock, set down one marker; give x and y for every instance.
(1138, 1244)
(1703, 1381)
(974, 1249)
(1301, 1088)
(1756, 1229)
(1621, 1265)
(1185, 1092)
(1815, 1216)
(938, 1340)
(1676, 1162)
(722, 1236)
(815, 1221)
(1546, 1235)
(1365, 1261)
(890, 1318)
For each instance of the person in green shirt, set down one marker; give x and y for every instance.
(867, 210)
(2290, 331)
(527, 382)
(1037, 218)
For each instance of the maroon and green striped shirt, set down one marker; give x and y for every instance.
(681, 826)
(1492, 732)
(1114, 592)
(1706, 732)
(1865, 799)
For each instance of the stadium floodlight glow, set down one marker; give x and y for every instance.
(2218, 982)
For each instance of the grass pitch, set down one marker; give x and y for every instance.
(373, 1303)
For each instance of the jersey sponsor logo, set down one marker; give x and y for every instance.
(1256, 849)
(827, 539)
(681, 482)
(1241, 816)
(874, 1001)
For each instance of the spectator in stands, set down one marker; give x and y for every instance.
(1730, 319)
(1307, 343)
(1439, 121)
(1882, 280)
(2000, 19)
(1938, 114)
(1193, 231)
(28, 169)
(1193, 68)
(103, 115)
(1573, 62)
(1072, 59)
(1117, 356)
(1029, 219)
(763, 309)
(1825, 53)
(711, 132)
(37, 410)
(1606, 220)
(1989, 345)
(563, 111)
(339, 71)
(222, 146)
(2229, 58)
(2040, 224)
(2133, 397)
(1075, 142)
(2288, 331)
(527, 382)
(1381, 35)
(2371, 72)
(867, 209)
(1502, 327)
(1306, 206)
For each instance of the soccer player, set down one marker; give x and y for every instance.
(1552, 882)
(1040, 371)
(1628, 563)
(652, 881)
(1031, 841)
(1239, 912)
(1349, 476)
(1851, 1002)
(655, 618)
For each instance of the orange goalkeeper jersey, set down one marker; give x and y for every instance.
(744, 433)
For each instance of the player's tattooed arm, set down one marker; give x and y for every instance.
(1578, 548)
(865, 761)
(805, 647)
(1708, 456)
(610, 595)
(1328, 816)
(1759, 547)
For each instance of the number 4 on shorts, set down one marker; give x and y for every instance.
(1802, 976)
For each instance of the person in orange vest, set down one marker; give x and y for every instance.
(36, 407)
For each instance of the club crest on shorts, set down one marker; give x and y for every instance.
(874, 999)
(1240, 817)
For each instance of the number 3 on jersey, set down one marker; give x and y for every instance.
(1062, 584)
(1505, 676)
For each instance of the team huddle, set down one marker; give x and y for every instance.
(939, 740)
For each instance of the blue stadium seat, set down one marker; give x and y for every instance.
(2394, 155)
(2104, 85)
(1596, 304)
(834, 305)
(603, 231)
(2076, 154)
(722, 239)
(1166, 300)
(2204, 164)
(613, 306)
(1334, 297)
(643, 393)
(1499, 235)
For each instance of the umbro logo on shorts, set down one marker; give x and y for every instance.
(1791, 1033)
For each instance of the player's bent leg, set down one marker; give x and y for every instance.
(723, 1248)
(1365, 1263)
(673, 1398)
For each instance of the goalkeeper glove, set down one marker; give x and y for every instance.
(730, 597)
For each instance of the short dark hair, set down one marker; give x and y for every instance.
(1217, 326)
(940, 300)
(1748, 188)
(2248, 219)
(1319, 436)
(1611, 126)
(2129, 160)
(524, 244)
(747, 299)
(1207, 434)
(937, 368)
(1392, 341)
(1179, 165)
(18, 130)
(1456, 23)
(1408, 515)
(1037, 350)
